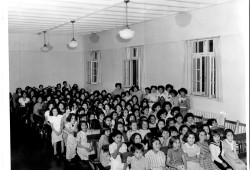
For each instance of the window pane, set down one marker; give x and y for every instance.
(194, 63)
(134, 72)
(195, 47)
(198, 75)
(198, 86)
(194, 75)
(198, 63)
(194, 86)
(214, 64)
(95, 79)
(134, 52)
(203, 74)
(200, 46)
(210, 46)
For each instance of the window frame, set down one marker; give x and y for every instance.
(95, 57)
(210, 69)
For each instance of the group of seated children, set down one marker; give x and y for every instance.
(136, 122)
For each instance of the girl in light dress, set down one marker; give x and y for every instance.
(133, 129)
(84, 149)
(115, 149)
(156, 158)
(56, 135)
(71, 130)
(206, 160)
(192, 152)
(230, 154)
(103, 155)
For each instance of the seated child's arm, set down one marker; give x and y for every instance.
(184, 161)
(116, 152)
(168, 164)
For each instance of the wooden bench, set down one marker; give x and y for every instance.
(229, 124)
(240, 140)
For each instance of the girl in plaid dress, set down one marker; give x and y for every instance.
(206, 160)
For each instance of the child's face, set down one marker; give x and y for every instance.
(165, 134)
(134, 126)
(179, 120)
(206, 129)
(107, 133)
(230, 136)
(191, 139)
(161, 125)
(131, 118)
(114, 116)
(167, 107)
(152, 120)
(175, 112)
(144, 125)
(101, 117)
(55, 112)
(194, 130)
(163, 116)
(172, 94)
(160, 90)
(174, 133)
(120, 127)
(117, 138)
(171, 123)
(92, 117)
(138, 154)
(202, 136)
(137, 139)
(84, 118)
(182, 93)
(118, 108)
(184, 130)
(214, 123)
(73, 119)
(106, 107)
(156, 145)
(84, 127)
(125, 113)
(108, 121)
(100, 106)
(137, 113)
(176, 144)
(216, 138)
(128, 107)
(158, 108)
(190, 119)
(146, 111)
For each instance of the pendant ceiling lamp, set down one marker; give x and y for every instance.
(73, 43)
(45, 48)
(127, 33)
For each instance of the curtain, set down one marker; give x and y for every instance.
(216, 47)
(188, 65)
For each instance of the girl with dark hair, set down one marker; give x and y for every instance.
(156, 158)
(175, 155)
(55, 123)
(184, 101)
(217, 151)
(206, 160)
(174, 98)
(192, 151)
(230, 154)
(71, 129)
(102, 155)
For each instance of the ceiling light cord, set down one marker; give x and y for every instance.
(73, 39)
(126, 1)
(44, 32)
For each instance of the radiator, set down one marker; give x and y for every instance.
(209, 115)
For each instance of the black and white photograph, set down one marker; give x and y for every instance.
(124, 84)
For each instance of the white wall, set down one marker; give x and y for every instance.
(164, 39)
(31, 67)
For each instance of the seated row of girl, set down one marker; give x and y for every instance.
(191, 154)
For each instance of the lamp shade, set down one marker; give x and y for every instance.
(127, 33)
(45, 48)
(73, 43)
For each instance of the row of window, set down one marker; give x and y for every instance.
(203, 65)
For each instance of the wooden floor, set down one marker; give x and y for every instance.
(30, 152)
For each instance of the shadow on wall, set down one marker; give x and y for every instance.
(94, 38)
(183, 19)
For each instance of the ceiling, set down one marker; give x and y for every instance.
(54, 16)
